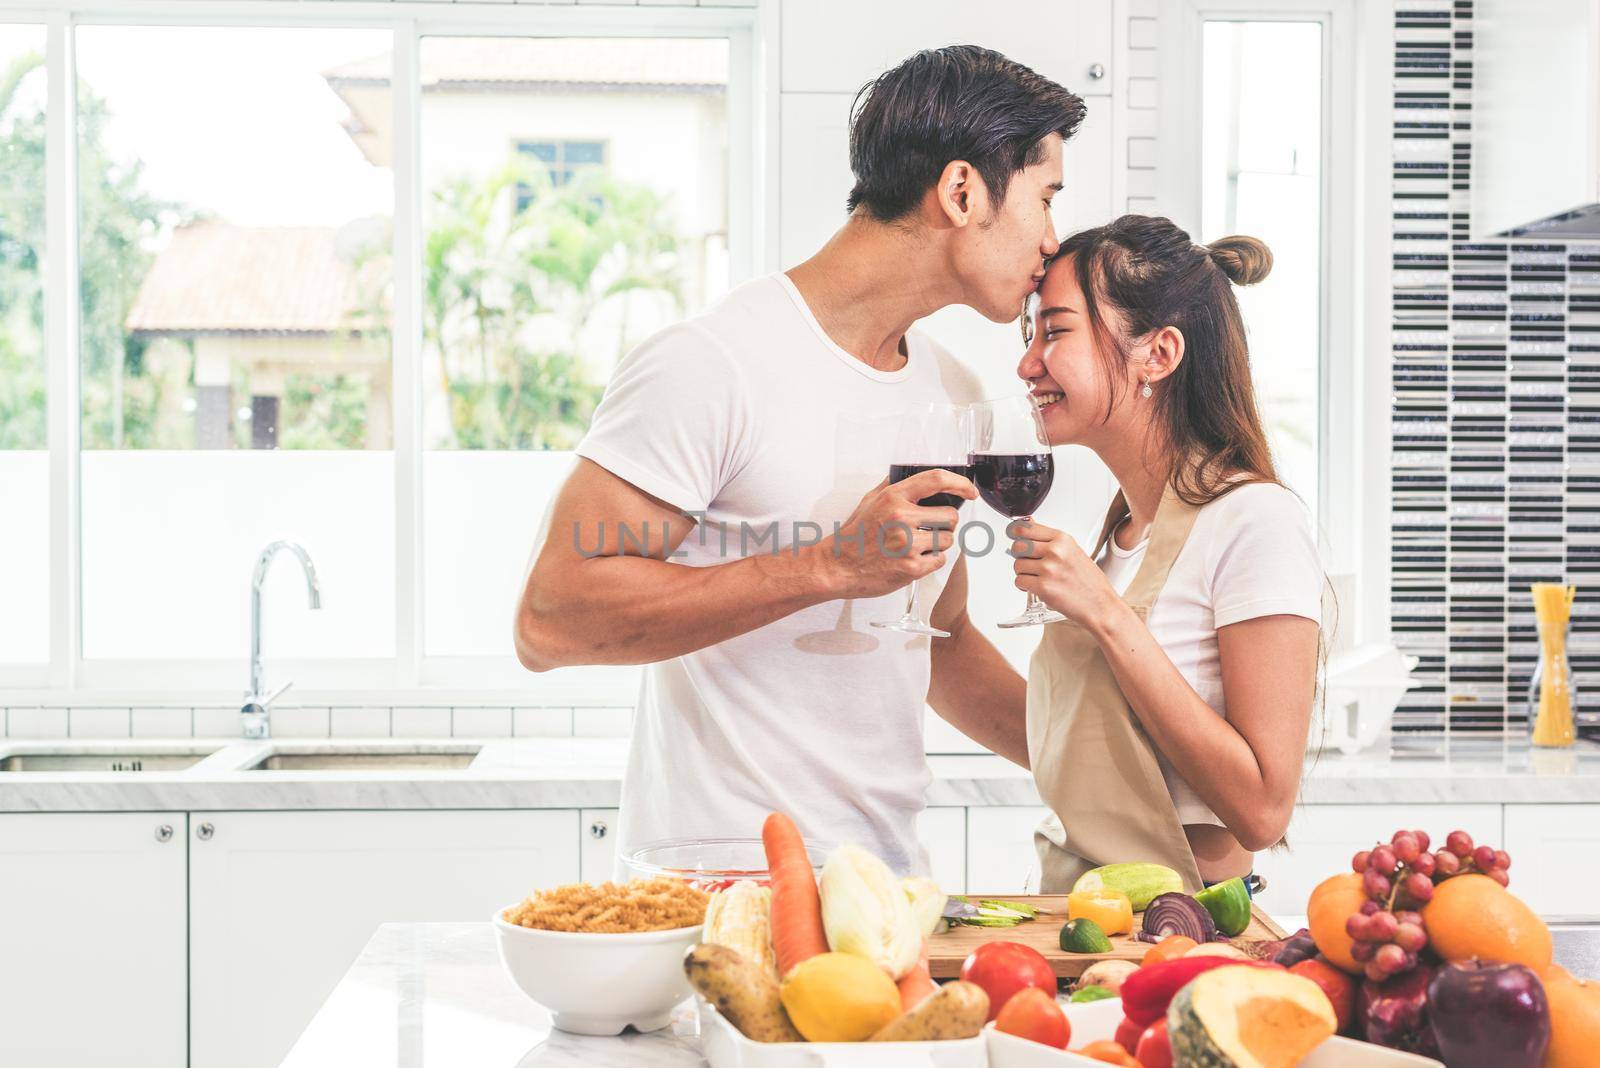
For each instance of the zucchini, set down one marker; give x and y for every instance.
(1141, 881)
(1245, 1017)
(1083, 935)
(1229, 905)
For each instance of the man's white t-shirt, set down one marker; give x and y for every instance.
(750, 414)
(1251, 553)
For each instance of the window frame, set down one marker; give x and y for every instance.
(752, 247)
(1353, 427)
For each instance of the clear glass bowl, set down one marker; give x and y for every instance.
(709, 863)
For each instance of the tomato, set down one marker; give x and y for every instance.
(1003, 968)
(1109, 1052)
(1032, 1014)
(1128, 1034)
(1155, 1049)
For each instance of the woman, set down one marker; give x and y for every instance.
(1168, 715)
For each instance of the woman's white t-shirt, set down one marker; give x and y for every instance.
(1252, 553)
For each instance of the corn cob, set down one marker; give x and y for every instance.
(740, 918)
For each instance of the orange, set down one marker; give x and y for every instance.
(1574, 1019)
(1474, 916)
(1333, 902)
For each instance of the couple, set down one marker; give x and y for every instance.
(1164, 720)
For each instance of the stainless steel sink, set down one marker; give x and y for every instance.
(368, 761)
(101, 761)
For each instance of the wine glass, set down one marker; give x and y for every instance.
(931, 436)
(1012, 468)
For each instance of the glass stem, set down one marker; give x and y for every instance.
(911, 603)
(1034, 604)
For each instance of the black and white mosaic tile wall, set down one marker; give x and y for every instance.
(1496, 422)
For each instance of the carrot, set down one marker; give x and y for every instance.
(796, 922)
(917, 983)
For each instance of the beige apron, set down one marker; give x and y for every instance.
(1092, 761)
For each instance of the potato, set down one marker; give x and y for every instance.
(746, 994)
(1218, 949)
(1107, 973)
(955, 1010)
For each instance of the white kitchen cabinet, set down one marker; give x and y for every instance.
(836, 46)
(92, 967)
(1323, 838)
(282, 902)
(1555, 838)
(597, 850)
(1000, 855)
(943, 833)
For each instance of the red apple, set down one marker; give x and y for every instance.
(1338, 985)
(1394, 1013)
(1489, 1015)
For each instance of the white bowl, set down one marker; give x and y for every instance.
(1093, 1021)
(597, 984)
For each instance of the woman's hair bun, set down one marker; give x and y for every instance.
(1245, 260)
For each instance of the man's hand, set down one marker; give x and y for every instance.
(890, 540)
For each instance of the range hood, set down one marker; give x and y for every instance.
(1579, 222)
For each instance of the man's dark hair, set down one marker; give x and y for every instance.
(943, 104)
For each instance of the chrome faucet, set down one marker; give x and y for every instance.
(257, 710)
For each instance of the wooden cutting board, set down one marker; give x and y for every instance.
(947, 951)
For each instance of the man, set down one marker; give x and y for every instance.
(750, 443)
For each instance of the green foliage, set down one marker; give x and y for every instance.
(22, 368)
(323, 412)
(507, 293)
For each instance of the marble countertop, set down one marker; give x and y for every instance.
(433, 995)
(587, 773)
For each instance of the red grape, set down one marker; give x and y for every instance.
(1369, 907)
(1410, 937)
(1499, 875)
(1358, 863)
(1381, 926)
(1391, 958)
(1363, 951)
(1356, 927)
(1376, 883)
(1423, 841)
(1405, 847)
(1446, 863)
(1407, 916)
(1459, 843)
(1419, 886)
(1382, 858)
(1375, 971)
(1502, 859)
(1483, 857)
(1424, 864)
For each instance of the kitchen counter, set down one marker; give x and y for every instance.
(587, 773)
(433, 995)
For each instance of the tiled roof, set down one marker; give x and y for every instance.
(647, 61)
(214, 277)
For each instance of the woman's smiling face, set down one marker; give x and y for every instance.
(1063, 366)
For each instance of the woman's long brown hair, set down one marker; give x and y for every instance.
(1155, 276)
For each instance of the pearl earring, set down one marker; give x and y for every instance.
(1145, 390)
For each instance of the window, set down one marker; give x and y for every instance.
(1261, 167)
(234, 251)
(544, 265)
(24, 450)
(562, 160)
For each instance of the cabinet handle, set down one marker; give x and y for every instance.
(597, 829)
(1097, 71)
(164, 833)
(204, 832)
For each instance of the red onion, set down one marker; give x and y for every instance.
(1178, 914)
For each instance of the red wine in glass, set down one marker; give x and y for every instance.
(1013, 484)
(901, 472)
(1012, 468)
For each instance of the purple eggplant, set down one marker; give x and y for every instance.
(1394, 1013)
(1489, 1015)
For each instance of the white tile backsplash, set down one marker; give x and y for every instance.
(97, 723)
(541, 722)
(36, 722)
(482, 723)
(300, 723)
(218, 723)
(359, 722)
(162, 722)
(602, 722)
(421, 723)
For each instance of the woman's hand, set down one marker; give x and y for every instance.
(1053, 566)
